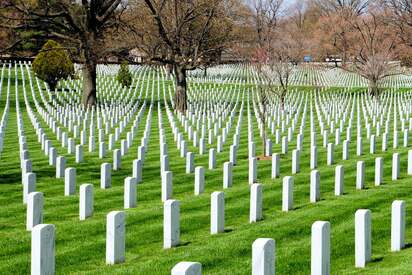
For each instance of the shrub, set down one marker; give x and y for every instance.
(52, 64)
(124, 76)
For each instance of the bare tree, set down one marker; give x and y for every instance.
(358, 7)
(279, 64)
(91, 26)
(400, 15)
(266, 15)
(184, 35)
(371, 49)
(265, 19)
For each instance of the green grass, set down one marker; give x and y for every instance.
(80, 245)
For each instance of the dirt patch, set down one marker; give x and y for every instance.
(264, 158)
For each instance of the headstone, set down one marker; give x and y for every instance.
(339, 180)
(284, 145)
(199, 180)
(275, 165)
(295, 161)
(217, 220)
(70, 181)
(314, 186)
(117, 158)
(398, 225)
(115, 237)
(372, 146)
(252, 149)
(287, 194)
(60, 166)
(52, 156)
(183, 148)
(233, 154)
(86, 201)
(378, 171)
(167, 185)
(329, 160)
(395, 166)
(190, 160)
(268, 147)
(395, 139)
(29, 185)
(187, 268)
(137, 170)
(363, 240)
(212, 158)
(360, 174)
(384, 142)
(202, 146)
(252, 170)
(91, 144)
(70, 146)
(227, 174)
(42, 249)
(345, 150)
(102, 150)
(263, 257)
(320, 248)
(106, 175)
(410, 162)
(130, 192)
(359, 146)
(34, 210)
(255, 203)
(79, 153)
(313, 157)
(171, 224)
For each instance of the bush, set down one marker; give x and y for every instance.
(124, 76)
(52, 64)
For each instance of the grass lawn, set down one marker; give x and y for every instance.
(80, 245)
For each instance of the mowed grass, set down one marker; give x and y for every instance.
(80, 245)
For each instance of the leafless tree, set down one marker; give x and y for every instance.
(266, 15)
(358, 7)
(184, 35)
(400, 15)
(372, 51)
(265, 19)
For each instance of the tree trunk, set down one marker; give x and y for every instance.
(52, 87)
(282, 99)
(373, 89)
(180, 98)
(89, 83)
(205, 72)
(264, 133)
(169, 70)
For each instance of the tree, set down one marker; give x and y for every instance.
(184, 35)
(124, 76)
(370, 45)
(52, 64)
(400, 15)
(265, 18)
(279, 62)
(266, 14)
(329, 7)
(372, 55)
(91, 26)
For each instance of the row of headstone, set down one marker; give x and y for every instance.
(263, 249)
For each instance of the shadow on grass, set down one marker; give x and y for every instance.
(377, 259)
(10, 178)
(184, 244)
(408, 245)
